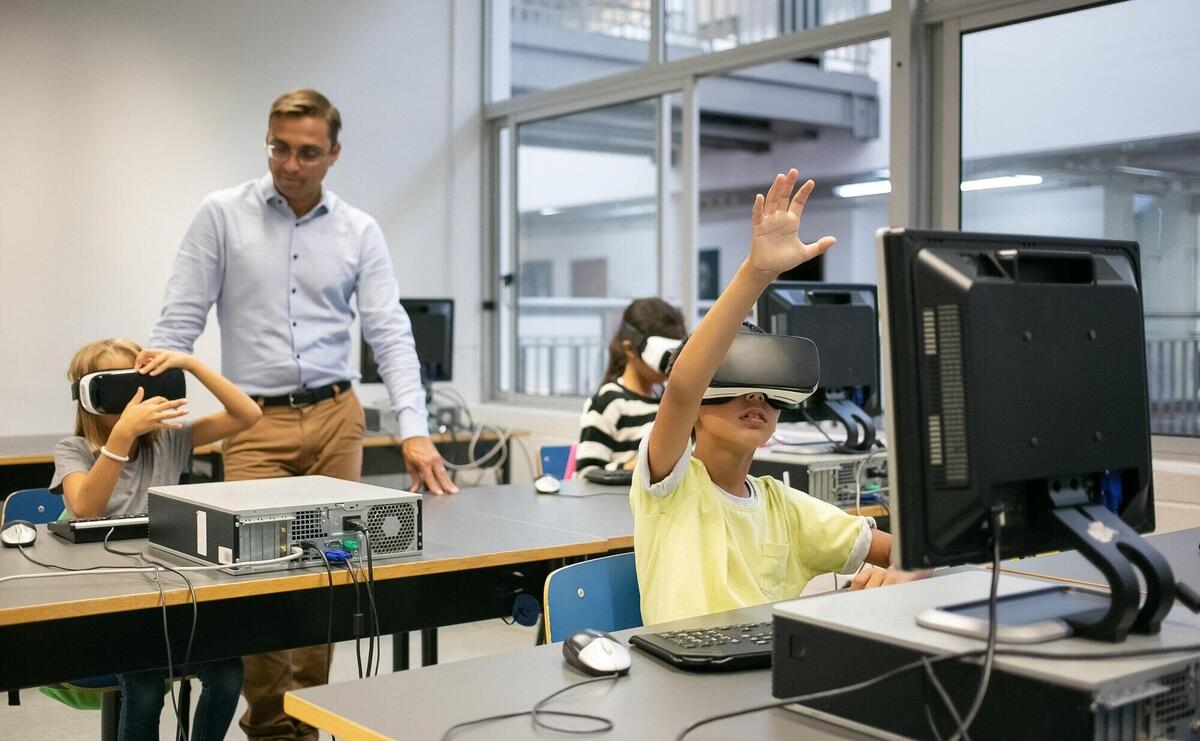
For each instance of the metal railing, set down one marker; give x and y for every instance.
(560, 366)
(1173, 372)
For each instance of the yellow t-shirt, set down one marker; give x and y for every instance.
(701, 550)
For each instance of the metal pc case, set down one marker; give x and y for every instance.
(234, 522)
(840, 639)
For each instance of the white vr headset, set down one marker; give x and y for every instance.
(654, 351)
(786, 370)
(109, 392)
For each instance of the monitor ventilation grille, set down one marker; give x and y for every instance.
(1104, 270)
(954, 408)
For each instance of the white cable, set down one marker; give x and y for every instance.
(295, 554)
(862, 465)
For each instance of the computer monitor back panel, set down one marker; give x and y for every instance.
(1013, 362)
(841, 320)
(432, 322)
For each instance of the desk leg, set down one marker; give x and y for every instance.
(399, 651)
(110, 715)
(429, 647)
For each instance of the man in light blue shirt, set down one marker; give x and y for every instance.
(281, 258)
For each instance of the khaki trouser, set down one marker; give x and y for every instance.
(323, 438)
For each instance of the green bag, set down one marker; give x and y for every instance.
(76, 697)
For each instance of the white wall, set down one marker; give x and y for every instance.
(127, 113)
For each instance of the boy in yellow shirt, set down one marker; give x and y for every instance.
(707, 536)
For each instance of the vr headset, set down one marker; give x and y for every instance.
(784, 369)
(655, 351)
(108, 392)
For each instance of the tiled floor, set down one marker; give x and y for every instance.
(39, 717)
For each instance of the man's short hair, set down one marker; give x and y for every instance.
(308, 102)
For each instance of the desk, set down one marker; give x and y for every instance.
(655, 701)
(466, 573)
(27, 461)
(1180, 548)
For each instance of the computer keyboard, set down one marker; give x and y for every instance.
(94, 529)
(729, 647)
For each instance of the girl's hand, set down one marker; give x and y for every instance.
(141, 416)
(153, 361)
(775, 245)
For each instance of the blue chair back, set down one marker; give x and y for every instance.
(38, 506)
(557, 460)
(601, 593)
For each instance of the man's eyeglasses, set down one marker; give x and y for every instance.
(306, 155)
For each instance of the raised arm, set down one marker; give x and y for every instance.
(240, 410)
(194, 284)
(775, 247)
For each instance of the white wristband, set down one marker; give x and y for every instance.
(109, 454)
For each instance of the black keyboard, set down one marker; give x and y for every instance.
(729, 647)
(93, 530)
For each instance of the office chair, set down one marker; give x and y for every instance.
(601, 593)
(38, 506)
(557, 461)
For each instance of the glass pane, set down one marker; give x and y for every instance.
(504, 259)
(587, 188)
(704, 26)
(1046, 149)
(543, 44)
(829, 124)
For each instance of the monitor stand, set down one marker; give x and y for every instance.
(1059, 611)
(859, 427)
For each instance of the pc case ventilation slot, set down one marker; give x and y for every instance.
(393, 527)
(953, 411)
(310, 524)
(1178, 703)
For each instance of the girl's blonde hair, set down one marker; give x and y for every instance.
(87, 425)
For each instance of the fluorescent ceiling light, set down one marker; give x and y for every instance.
(550, 211)
(856, 190)
(1004, 181)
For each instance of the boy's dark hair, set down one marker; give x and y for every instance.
(653, 317)
(750, 327)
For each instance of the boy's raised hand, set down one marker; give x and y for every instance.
(775, 244)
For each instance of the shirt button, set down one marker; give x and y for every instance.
(295, 257)
(293, 324)
(297, 357)
(293, 290)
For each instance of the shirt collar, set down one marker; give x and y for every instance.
(271, 196)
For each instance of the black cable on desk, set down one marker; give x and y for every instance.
(605, 723)
(356, 626)
(329, 622)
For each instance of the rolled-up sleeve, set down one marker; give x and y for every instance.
(388, 331)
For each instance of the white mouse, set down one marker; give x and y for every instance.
(18, 532)
(547, 484)
(596, 652)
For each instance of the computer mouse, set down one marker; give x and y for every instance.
(596, 652)
(18, 532)
(547, 484)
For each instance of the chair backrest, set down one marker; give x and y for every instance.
(557, 460)
(601, 593)
(35, 505)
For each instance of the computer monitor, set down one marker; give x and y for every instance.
(1016, 386)
(433, 332)
(841, 319)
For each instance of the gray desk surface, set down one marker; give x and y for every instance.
(655, 701)
(1181, 549)
(580, 506)
(456, 538)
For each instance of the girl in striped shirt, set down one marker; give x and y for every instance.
(622, 410)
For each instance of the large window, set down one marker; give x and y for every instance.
(1093, 130)
(587, 189)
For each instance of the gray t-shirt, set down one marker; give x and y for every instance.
(158, 464)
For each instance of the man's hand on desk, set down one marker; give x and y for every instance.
(425, 467)
(872, 576)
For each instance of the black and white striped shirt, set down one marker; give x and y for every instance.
(613, 424)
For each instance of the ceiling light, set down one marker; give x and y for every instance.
(1004, 181)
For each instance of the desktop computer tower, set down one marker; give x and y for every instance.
(233, 522)
(839, 639)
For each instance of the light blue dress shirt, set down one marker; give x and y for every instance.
(282, 287)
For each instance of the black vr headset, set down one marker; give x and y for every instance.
(784, 369)
(655, 351)
(108, 392)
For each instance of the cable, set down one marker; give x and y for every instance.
(356, 624)
(945, 696)
(997, 520)
(67, 571)
(366, 536)
(858, 472)
(329, 621)
(605, 723)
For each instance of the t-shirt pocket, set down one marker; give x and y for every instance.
(773, 569)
